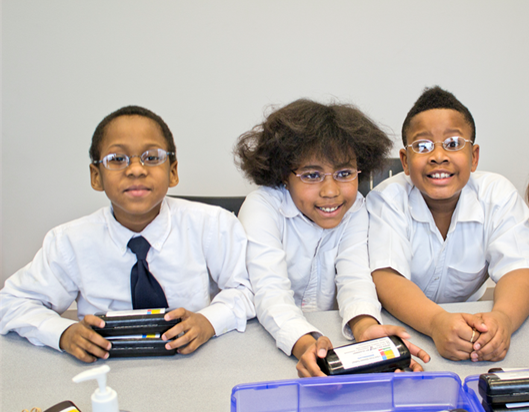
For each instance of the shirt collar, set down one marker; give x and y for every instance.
(156, 232)
(468, 208)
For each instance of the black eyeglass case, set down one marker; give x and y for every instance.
(139, 346)
(135, 322)
(505, 407)
(377, 355)
(504, 387)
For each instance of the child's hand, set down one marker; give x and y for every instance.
(379, 331)
(307, 349)
(452, 333)
(493, 344)
(196, 328)
(82, 342)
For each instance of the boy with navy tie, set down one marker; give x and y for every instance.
(143, 251)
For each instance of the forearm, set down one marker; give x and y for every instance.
(302, 344)
(511, 297)
(405, 300)
(359, 325)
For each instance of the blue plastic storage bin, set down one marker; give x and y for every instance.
(425, 391)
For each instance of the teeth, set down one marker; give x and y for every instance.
(440, 175)
(328, 209)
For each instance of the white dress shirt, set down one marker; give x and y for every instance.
(295, 265)
(488, 235)
(196, 250)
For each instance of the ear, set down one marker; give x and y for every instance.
(96, 179)
(403, 153)
(475, 157)
(173, 174)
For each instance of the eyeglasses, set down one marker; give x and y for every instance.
(451, 144)
(119, 161)
(341, 176)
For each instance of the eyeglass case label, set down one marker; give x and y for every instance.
(377, 355)
(136, 312)
(364, 353)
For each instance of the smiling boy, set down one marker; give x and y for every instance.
(191, 251)
(440, 229)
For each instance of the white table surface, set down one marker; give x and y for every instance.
(33, 376)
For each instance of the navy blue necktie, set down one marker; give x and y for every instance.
(145, 290)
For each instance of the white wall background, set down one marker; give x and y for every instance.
(210, 68)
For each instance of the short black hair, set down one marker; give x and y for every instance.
(437, 98)
(335, 133)
(99, 133)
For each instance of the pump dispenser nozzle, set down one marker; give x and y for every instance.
(104, 399)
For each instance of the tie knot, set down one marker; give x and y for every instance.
(139, 246)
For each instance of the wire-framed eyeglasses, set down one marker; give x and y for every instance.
(315, 176)
(119, 161)
(450, 144)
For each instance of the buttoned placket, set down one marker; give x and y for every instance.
(310, 296)
(435, 285)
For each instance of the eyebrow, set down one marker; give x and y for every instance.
(124, 147)
(318, 167)
(446, 132)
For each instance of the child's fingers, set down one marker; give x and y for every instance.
(475, 322)
(92, 348)
(83, 343)
(494, 350)
(415, 366)
(418, 352)
(307, 365)
(174, 331)
(395, 330)
(193, 345)
(92, 320)
(179, 313)
(82, 355)
(323, 344)
(185, 333)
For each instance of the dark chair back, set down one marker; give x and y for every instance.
(230, 203)
(393, 166)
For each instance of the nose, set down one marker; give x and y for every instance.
(438, 155)
(135, 167)
(329, 187)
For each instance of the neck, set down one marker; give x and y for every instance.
(442, 212)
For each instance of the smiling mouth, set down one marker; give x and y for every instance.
(329, 209)
(441, 175)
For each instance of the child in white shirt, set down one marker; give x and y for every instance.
(307, 224)
(439, 230)
(195, 250)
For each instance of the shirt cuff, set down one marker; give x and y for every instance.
(53, 329)
(352, 312)
(221, 318)
(292, 331)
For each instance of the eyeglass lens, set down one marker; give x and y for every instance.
(117, 161)
(451, 144)
(345, 175)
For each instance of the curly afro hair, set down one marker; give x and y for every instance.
(304, 129)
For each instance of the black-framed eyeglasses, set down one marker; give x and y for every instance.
(450, 144)
(119, 161)
(315, 176)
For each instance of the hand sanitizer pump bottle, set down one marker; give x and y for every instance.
(104, 399)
